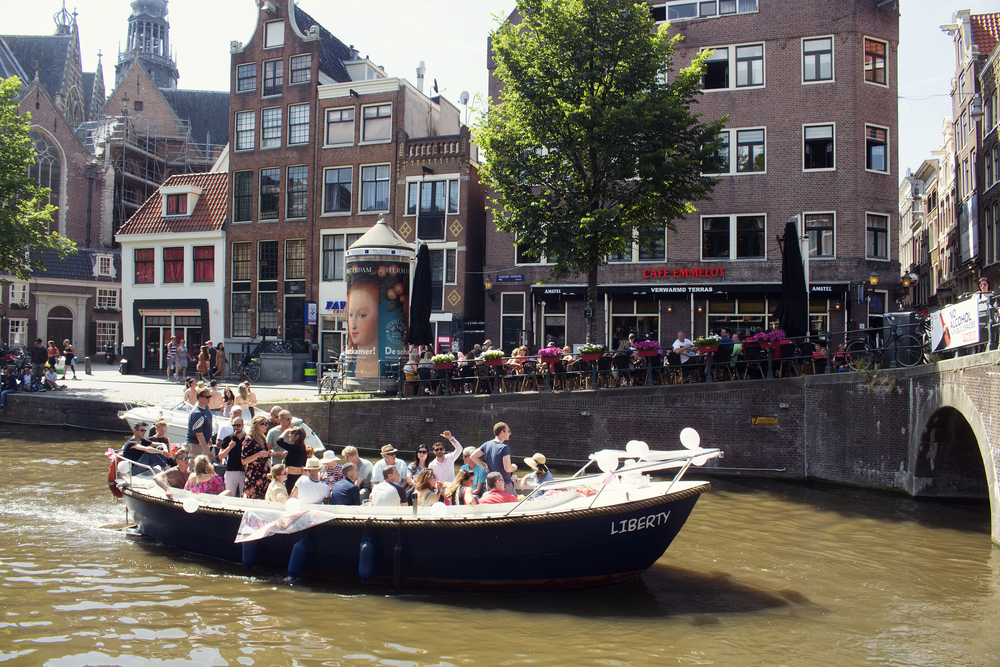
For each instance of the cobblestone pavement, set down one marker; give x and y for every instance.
(106, 384)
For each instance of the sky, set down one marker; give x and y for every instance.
(450, 36)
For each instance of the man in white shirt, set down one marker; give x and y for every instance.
(389, 459)
(308, 488)
(443, 464)
(389, 493)
(682, 346)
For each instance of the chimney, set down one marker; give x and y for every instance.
(421, 70)
(354, 53)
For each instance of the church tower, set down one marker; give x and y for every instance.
(149, 43)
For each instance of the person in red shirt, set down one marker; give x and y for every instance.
(496, 494)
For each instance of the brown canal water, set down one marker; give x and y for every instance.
(762, 574)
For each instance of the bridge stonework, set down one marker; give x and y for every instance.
(925, 431)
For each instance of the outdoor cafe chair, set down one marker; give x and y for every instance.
(787, 359)
(806, 361)
(720, 362)
(431, 384)
(604, 375)
(529, 376)
(672, 373)
(484, 379)
(752, 361)
(623, 364)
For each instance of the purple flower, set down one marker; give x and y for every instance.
(550, 352)
(647, 345)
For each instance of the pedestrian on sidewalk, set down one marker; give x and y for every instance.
(69, 353)
(182, 360)
(38, 359)
(171, 358)
(221, 363)
(211, 361)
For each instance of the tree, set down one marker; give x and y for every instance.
(592, 144)
(24, 209)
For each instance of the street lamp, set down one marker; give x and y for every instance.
(488, 284)
(873, 279)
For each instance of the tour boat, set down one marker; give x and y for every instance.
(585, 530)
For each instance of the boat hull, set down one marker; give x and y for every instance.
(580, 548)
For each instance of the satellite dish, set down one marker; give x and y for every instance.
(435, 85)
(463, 98)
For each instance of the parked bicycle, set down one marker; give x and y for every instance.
(249, 366)
(909, 350)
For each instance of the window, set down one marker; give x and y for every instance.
(375, 188)
(817, 60)
(295, 259)
(453, 196)
(443, 272)
(298, 124)
(267, 252)
(144, 260)
(749, 70)
(204, 264)
(267, 313)
(638, 316)
(270, 127)
(274, 75)
(523, 253)
(297, 195)
(511, 319)
(877, 241)
(819, 229)
(337, 190)
(817, 143)
(270, 188)
(241, 317)
(340, 126)
(177, 204)
(173, 265)
(672, 10)
(333, 254)
(246, 77)
(19, 293)
(17, 333)
(655, 247)
(718, 162)
(107, 334)
(274, 34)
(433, 204)
(717, 69)
(138, 105)
(745, 233)
(46, 170)
(377, 125)
(242, 261)
(876, 148)
(245, 130)
(242, 196)
(105, 265)
(750, 65)
(750, 150)
(299, 68)
(875, 55)
(107, 298)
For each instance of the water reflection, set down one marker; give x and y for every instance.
(762, 574)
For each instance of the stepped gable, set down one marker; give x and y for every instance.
(209, 213)
(206, 110)
(332, 53)
(985, 31)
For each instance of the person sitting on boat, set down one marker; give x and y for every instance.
(496, 493)
(332, 471)
(50, 379)
(204, 479)
(425, 489)
(389, 460)
(389, 493)
(460, 492)
(346, 491)
(230, 451)
(308, 488)
(190, 392)
(494, 455)
(478, 472)
(443, 464)
(539, 474)
(293, 441)
(176, 477)
(276, 492)
(228, 402)
(421, 461)
(141, 450)
(245, 398)
(365, 467)
(199, 432)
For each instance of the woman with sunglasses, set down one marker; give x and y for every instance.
(425, 489)
(231, 451)
(422, 462)
(276, 492)
(293, 441)
(256, 458)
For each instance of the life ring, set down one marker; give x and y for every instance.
(113, 480)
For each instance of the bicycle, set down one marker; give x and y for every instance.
(249, 369)
(859, 354)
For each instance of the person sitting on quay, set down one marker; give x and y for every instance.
(50, 379)
(9, 386)
(308, 488)
(276, 491)
(205, 480)
(496, 493)
(175, 477)
(389, 493)
(389, 459)
(494, 455)
(28, 381)
(346, 491)
(478, 472)
(365, 468)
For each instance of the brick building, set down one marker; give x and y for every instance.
(810, 91)
(988, 171)
(324, 144)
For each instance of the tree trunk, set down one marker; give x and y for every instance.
(591, 301)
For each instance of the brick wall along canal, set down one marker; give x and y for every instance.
(761, 575)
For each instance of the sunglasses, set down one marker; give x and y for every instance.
(238, 425)
(182, 458)
(422, 451)
(439, 449)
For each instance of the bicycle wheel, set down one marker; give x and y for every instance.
(909, 350)
(858, 355)
(253, 372)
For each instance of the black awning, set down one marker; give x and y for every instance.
(661, 291)
(564, 292)
(819, 290)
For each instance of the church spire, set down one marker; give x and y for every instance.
(64, 20)
(149, 42)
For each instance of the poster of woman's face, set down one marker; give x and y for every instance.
(377, 314)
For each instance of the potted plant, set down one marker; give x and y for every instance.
(591, 352)
(18, 305)
(493, 357)
(443, 362)
(769, 339)
(647, 348)
(549, 355)
(707, 344)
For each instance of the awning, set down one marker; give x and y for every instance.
(648, 291)
(564, 292)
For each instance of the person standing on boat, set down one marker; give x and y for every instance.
(293, 441)
(389, 460)
(230, 450)
(199, 433)
(496, 493)
(176, 477)
(494, 455)
(308, 488)
(256, 459)
(350, 455)
(389, 493)
(443, 464)
(346, 491)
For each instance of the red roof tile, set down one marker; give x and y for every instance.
(985, 31)
(209, 213)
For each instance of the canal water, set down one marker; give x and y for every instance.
(763, 574)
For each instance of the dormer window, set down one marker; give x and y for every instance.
(104, 266)
(177, 204)
(179, 200)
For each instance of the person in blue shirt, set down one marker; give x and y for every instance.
(199, 433)
(478, 472)
(346, 491)
(494, 455)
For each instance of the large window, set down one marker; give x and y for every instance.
(267, 257)
(750, 150)
(820, 230)
(443, 272)
(875, 61)
(295, 259)
(246, 77)
(333, 254)
(267, 313)
(242, 261)
(17, 333)
(173, 265)
(432, 207)
(377, 123)
(340, 126)
(245, 130)
(107, 299)
(241, 322)
(46, 170)
(876, 148)
(242, 273)
(270, 127)
(679, 10)
(298, 124)
(375, 188)
(274, 34)
(300, 68)
(298, 191)
(19, 293)
(511, 320)
(654, 247)
(270, 189)
(722, 234)
(274, 75)
(877, 236)
(242, 196)
(144, 260)
(817, 60)
(735, 66)
(634, 316)
(523, 253)
(337, 190)
(204, 264)
(107, 334)
(817, 147)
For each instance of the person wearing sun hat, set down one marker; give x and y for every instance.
(539, 473)
(308, 488)
(389, 459)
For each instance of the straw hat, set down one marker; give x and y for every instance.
(535, 461)
(312, 464)
(329, 458)
(388, 449)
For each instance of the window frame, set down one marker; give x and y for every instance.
(242, 267)
(268, 36)
(732, 66)
(295, 129)
(736, 144)
(698, 5)
(833, 60)
(277, 75)
(342, 210)
(177, 265)
(888, 235)
(292, 69)
(361, 187)
(733, 237)
(150, 263)
(242, 197)
(833, 232)
(336, 255)
(17, 332)
(110, 299)
(364, 122)
(833, 142)
(179, 202)
(296, 192)
(327, 114)
(202, 262)
(270, 120)
(888, 167)
(263, 261)
(241, 77)
(885, 64)
(293, 261)
(261, 215)
(248, 130)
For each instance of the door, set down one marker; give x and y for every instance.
(295, 318)
(154, 350)
(59, 327)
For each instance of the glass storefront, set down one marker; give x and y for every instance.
(157, 330)
(634, 316)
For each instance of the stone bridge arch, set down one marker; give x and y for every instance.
(949, 408)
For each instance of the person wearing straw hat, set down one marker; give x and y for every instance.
(332, 471)
(389, 460)
(308, 488)
(538, 475)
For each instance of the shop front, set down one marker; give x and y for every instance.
(154, 321)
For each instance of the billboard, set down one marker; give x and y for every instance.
(377, 313)
(956, 325)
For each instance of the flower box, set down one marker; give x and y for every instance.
(647, 353)
(493, 362)
(768, 344)
(445, 367)
(708, 349)
(593, 356)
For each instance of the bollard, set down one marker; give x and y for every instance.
(86, 366)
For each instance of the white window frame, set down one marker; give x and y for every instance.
(833, 127)
(698, 6)
(308, 70)
(106, 265)
(733, 133)
(539, 262)
(864, 149)
(732, 237)
(243, 66)
(102, 337)
(326, 126)
(361, 188)
(863, 78)
(19, 293)
(291, 108)
(350, 209)
(888, 236)
(731, 57)
(271, 142)
(274, 34)
(833, 60)
(363, 119)
(524, 309)
(17, 332)
(834, 241)
(250, 130)
(108, 298)
(633, 253)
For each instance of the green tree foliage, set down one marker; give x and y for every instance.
(592, 144)
(24, 211)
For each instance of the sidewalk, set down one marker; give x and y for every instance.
(107, 384)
